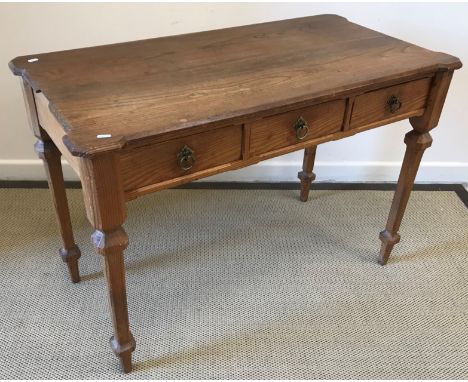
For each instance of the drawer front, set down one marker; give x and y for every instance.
(296, 126)
(179, 157)
(404, 100)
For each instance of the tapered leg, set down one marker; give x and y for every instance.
(70, 252)
(50, 155)
(416, 143)
(105, 207)
(306, 175)
(111, 245)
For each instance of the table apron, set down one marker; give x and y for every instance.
(184, 159)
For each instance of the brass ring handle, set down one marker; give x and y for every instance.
(302, 128)
(186, 158)
(394, 104)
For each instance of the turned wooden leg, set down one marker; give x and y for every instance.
(50, 155)
(306, 175)
(416, 143)
(111, 245)
(105, 207)
(70, 252)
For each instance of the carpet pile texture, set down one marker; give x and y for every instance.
(241, 284)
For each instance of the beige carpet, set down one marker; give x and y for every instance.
(242, 284)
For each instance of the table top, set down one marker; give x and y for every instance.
(133, 91)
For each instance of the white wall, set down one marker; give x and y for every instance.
(372, 156)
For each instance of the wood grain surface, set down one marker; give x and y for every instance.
(278, 131)
(55, 131)
(137, 90)
(105, 207)
(224, 99)
(156, 163)
(372, 107)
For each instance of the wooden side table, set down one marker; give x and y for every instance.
(138, 117)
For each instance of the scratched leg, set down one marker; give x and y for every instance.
(70, 252)
(306, 175)
(105, 207)
(416, 144)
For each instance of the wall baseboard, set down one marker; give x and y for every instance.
(279, 171)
